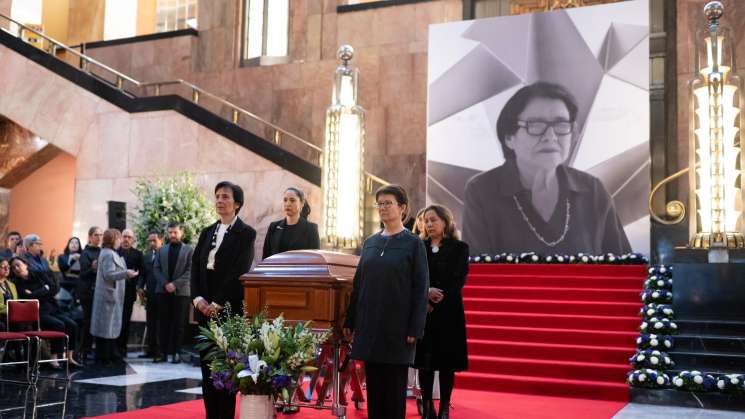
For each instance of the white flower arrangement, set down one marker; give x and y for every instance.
(581, 258)
(731, 383)
(651, 358)
(658, 326)
(658, 282)
(653, 341)
(661, 271)
(656, 296)
(657, 310)
(694, 381)
(648, 378)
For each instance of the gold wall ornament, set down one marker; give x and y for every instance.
(518, 7)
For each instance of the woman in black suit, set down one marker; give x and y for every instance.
(294, 232)
(443, 347)
(223, 253)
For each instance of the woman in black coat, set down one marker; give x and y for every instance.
(443, 347)
(294, 232)
(388, 306)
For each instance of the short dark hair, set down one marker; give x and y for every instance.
(93, 230)
(14, 233)
(401, 197)
(237, 192)
(507, 121)
(109, 237)
(156, 232)
(175, 224)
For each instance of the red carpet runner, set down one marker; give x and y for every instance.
(555, 330)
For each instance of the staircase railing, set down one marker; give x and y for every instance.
(125, 83)
(237, 114)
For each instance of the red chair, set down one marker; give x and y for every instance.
(5, 338)
(26, 312)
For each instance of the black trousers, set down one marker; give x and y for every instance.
(427, 381)
(386, 390)
(219, 404)
(86, 341)
(130, 296)
(151, 321)
(174, 313)
(106, 350)
(60, 323)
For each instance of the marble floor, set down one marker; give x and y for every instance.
(139, 383)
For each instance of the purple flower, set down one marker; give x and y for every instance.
(222, 380)
(232, 355)
(281, 381)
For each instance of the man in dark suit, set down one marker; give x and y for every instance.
(133, 259)
(172, 268)
(224, 252)
(146, 290)
(87, 284)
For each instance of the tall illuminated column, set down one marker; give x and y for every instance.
(343, 175)
(716, 101)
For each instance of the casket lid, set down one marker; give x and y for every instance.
(310, 264)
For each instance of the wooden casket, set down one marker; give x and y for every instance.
(304, 285)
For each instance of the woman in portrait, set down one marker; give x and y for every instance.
(108, 297)
(294, 231)
(443, 347)
(388, 305)
(534, 201)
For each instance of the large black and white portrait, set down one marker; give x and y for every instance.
(538, 129)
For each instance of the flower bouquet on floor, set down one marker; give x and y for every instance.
(261, 358)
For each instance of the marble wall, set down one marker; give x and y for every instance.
(391, 53)
(114, 149)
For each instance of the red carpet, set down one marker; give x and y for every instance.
(466, 405)
(555, 330)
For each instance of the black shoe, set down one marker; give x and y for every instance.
(159, 358)
(176, 359)
(444, 411)
(145, 355)
(290, 410)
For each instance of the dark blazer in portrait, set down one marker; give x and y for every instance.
(389, 298)
(305, 236)
(233, 259)
(493, 223)
(443, 346)
(181, 272)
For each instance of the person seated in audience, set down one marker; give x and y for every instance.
(294, 231)
(12, 245)
(37, 285)
(34, 254)
(69, 264)
(7, 292)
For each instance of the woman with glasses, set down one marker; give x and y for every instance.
(388, 306)
(534, 201)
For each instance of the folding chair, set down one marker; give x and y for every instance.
(7, 337)
(26, 312)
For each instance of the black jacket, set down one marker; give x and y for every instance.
(40, 287)
(147, 279)
(389, 298)
(233, 259)
(306, 237)
(133, 259)
(443, 346)
(87, 279)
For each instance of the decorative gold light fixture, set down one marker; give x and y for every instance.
(716, 199)
(343, 174)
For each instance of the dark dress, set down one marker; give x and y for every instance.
(493, 223)
(443, 346)
(281, 237)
